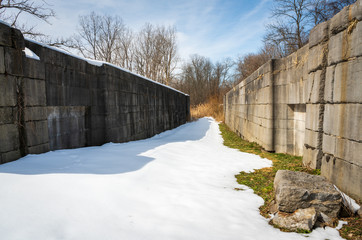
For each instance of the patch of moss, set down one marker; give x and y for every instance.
(262, 180)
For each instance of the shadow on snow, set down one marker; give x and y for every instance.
(110, 158)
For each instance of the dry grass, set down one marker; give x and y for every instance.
(212, 108)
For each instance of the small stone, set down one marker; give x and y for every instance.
(301, 219)
(273, 207)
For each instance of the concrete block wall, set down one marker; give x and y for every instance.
(315, 105)
(249, 110)
(341, 133)
(290, 78)
(62, 101)
(10, 101)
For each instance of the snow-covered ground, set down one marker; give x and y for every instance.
(176, 185)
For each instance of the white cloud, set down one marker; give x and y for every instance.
(213, 28)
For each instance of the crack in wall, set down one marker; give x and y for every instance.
(20, 119)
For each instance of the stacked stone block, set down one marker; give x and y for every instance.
(341, 161)
(316, 102)
(249, 110)
(10, 83)
(290, 78)
(62, 101)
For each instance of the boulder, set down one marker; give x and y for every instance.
(298, 190)
(301, 219)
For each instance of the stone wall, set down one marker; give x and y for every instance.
(309, 103)
(62, 101)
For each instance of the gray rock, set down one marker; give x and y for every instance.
(301, 219)
(298, 190)
(359, 212)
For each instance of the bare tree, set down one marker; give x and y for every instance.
(155, 53)
(152, 52)
(10, 11)
(322, 10)
(220, 77)
(168, 49)
(202, 79)
(124, 54)
(295, 18)
(247, 64)
(99, 37)
(289, 32)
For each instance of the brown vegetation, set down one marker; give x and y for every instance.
(211, 108)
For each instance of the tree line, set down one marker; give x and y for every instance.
(152, 51)
(289, 31)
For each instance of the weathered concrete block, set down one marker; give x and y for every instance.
(319, 34)
(33, 68)
(339, 22)
(310, 156)
(339, 48)
(336, 123)
(2, 60)
(17, 39)
(264, 95)
(330, 125)
(356, 10)
(295, 92)
(39, 149)
(347, 82)
(312, 117)
(350, 151)
(343, 174)
(329, 144)
(8, 96)
(9, 137)
(5, 35)
(10, 156)
(356, 41)
(66, 126)
(37, 133)
(14, 61)
(281, 94)
(316, 55)
(311, 138)
(35, 113)
(314, 81)
(34, 92)
(345, 45)
(7, 115)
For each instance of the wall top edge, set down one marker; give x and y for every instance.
(98, 63)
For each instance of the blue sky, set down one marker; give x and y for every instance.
(213, 28)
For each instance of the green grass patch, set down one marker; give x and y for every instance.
(261, 180)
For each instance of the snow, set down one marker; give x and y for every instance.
(5, 23)
(30, 54)
(100, 63)
(176, 185)
(348, 201)
(340, 224)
